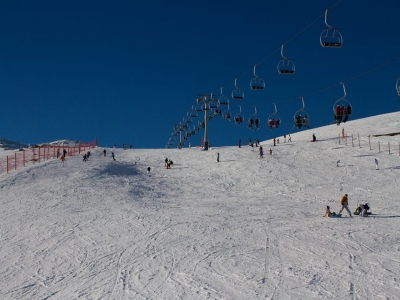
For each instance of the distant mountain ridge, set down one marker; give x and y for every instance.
(7, 144)
(11, 145)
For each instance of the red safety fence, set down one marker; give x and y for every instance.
(41, 153)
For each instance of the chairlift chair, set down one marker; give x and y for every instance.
(257, 83)
(254, 120)
(193, 113)
(237, 93)
(285, 65)
(239, 117)
(301, 117)
(342, 108)
(398, 87)
(227, 114)
(330, 37)
(273, 120)
(223, 100)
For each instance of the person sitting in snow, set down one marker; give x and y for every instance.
(328, 212)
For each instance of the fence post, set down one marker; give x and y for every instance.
(379, 147)
(23, 158)
(389, 146)
(352, 140)
(339, 138)
(15, 160)
(369, 142)
(7, 164)
(359, 143)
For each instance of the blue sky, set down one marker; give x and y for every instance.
(127, 71)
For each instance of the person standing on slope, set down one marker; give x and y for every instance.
(218, 157)
(344, 202)
(376, 164)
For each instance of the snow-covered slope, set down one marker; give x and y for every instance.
(244, 228)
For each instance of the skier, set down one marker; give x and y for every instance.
(337, 163)
(62, 159)
(148, 171)
(85, 157)
(376, 164)
(261, 152)
(240, 143)
(290, 138)
(169, 163)
(314, 137)
(270, 151)
(166, 162)
(104, 152)
(112, 155)
(274, 142)
(218, 157)
(344, 202)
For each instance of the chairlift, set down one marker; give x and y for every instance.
(188, 119)
(227, 114)
(398, 87)
(193, 113)
(273, 120)
(342, 108)
(193, 131)
(254, 120)
(285, 65)
(301, 117)
(237, 93)
(202, 124)
(198, 127)
(239, 117)
(223, 100)
(330, 37)
(213, 103)
(199, 107)
(257, 83)
(217, 112)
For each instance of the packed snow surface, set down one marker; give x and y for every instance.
(244, 228)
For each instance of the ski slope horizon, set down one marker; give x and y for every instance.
(244, 228)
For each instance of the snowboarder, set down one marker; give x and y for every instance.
(376, 164)
(218, 157)
(148, 171)
(344, 202)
